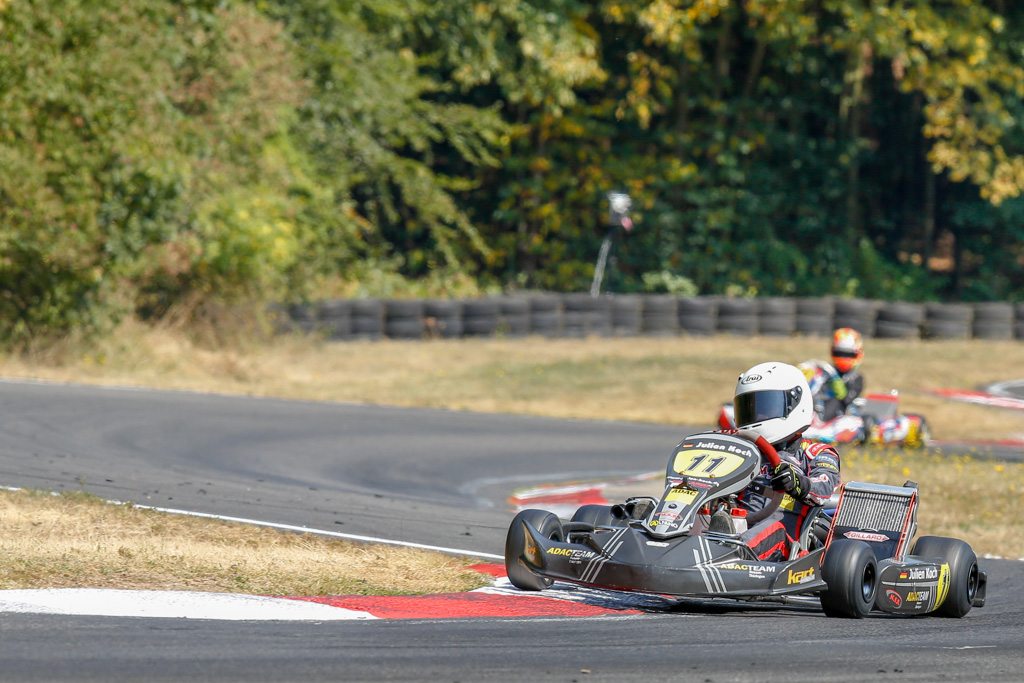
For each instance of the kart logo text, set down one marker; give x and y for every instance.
(921, 573)
(894, 597)
(800, 577)
(865, 536)
(573, 554)
(749, 567)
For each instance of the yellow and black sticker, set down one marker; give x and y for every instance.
(685, 496)
(706, 463)
(943, 588)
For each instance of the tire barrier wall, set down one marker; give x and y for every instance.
(579, 315)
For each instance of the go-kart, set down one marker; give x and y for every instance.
(872, 420)
(850, 560)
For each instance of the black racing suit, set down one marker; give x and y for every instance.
(853, 383)
(772, 538)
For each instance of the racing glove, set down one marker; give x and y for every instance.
(786, 477)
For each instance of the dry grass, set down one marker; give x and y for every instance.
(76, 540)
(73, 541)
(678, 380)
(962, 496)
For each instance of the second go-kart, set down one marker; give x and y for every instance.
(873, 420)
(853, 560)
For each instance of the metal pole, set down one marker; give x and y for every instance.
(602, 261)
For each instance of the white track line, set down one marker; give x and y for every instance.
(302, 529)
(103, 602)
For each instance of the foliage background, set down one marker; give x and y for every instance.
(161, 158)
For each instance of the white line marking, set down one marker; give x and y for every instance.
(303, 529)
(105, 602)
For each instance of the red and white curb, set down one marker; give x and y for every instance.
(498, 600)
(982, 398)
(564, 499)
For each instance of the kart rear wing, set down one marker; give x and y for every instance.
(883, 516)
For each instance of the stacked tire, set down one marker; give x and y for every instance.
(993, 321)
(587, 315)
(514, 316)
(480, 317)
(660, 317)
(899, 320)
(546, 315)
(738, 317)
(776, 316)
(627, 315)
(947, 321)
(442, 318)
(367, 319)
(814, 316)
(403, 319)
(698, 316)
(856, 313)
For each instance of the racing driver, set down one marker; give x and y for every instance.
(773, 400)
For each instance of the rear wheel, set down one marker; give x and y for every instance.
(920, 434)
(868, 430)
(851, 573)
(964, 575)
(519, 546)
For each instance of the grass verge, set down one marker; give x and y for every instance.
(76, 540)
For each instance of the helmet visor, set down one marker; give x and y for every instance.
(844, 353)
(758, 406)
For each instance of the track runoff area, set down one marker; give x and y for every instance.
(500, 599)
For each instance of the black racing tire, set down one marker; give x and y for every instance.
(850, 571)
(870, 422)
(597, 515)
(519, 572)
(923, 436)
(964, 575)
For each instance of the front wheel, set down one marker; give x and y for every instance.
(518, 546)
(851, 572)
(964, 575)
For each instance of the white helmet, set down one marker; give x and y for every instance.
(773, 400)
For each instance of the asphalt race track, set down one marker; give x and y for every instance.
(437, 478)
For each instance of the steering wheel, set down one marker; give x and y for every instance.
(769, 453)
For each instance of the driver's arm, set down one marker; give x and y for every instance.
(823, 473)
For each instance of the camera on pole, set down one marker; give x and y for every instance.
(619, 204)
